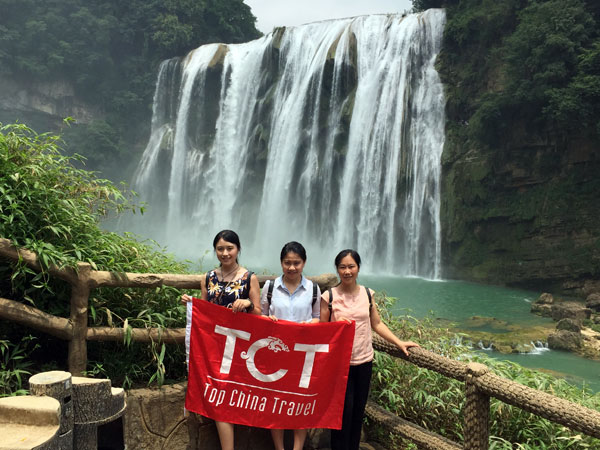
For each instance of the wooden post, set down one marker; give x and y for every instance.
(477, 410)
(80, 293)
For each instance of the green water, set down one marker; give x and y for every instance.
(458, 301)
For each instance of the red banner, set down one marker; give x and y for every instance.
(249, 370)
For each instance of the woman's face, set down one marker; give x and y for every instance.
(347, 269)
(227, 252)
(292, 265)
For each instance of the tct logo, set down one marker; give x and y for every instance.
(273, 344)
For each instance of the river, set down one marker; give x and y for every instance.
(459, 301)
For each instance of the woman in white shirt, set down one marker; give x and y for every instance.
(291, 297)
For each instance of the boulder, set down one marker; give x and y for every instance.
(545, 299)
(541, 309)
(570, 310)
(593, 302)
(569, 325)
(565, 340)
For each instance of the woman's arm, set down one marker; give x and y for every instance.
(254, 295)
(382, 330)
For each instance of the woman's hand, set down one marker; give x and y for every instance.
(241, 305)
(186, 298)
(405, 345)
(345, 319)
(273, 318)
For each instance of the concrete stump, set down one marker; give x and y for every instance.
(95, 403)
(57, 384)
(29, 423)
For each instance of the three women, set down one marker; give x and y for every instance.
(295, 298)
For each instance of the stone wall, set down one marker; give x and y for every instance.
(155, 420)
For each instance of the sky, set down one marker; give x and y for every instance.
(272, 13)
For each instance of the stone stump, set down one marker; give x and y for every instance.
(95, 403)
(57, 384)
(29, 423)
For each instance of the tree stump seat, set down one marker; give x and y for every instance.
(29, 423)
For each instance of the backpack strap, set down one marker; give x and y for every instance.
(270, 291)
(206, 281)
(315, 286)
(370, 300)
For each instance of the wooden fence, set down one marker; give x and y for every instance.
(480, 383)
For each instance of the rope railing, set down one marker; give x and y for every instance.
(480, 386)
(480, 383)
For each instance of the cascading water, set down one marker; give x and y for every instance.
(330, 133)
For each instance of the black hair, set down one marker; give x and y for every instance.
(341, 255)
(295, 247)
(228, 236)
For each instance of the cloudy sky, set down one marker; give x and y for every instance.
(271, 13)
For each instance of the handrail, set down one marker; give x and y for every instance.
(82, 279)
(480, 383)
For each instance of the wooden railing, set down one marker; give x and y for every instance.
(75, 329)
(480, 383)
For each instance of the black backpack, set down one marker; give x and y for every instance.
(270, 292)
(331, 301)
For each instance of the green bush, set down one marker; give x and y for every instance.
(14, 365)
(55, 209)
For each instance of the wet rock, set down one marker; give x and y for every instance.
(570, 310)
(540, 309)
(569, 325)
(593, 302)
(565, 340)
(545, 299)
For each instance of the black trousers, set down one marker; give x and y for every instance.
(357, 393)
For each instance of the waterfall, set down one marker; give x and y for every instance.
(329, 133)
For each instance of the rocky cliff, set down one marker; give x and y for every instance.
(521, 193)
(43, 105)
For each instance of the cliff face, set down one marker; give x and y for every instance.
(42, 105)
(521, 191)
(525, 214)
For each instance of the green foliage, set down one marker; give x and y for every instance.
(435, 402)
(49, 206)
(516, 65)
(109, 50)
(14, 365)
(422, 5)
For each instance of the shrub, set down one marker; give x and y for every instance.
(55, 209)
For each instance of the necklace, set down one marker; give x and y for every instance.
(237, 266)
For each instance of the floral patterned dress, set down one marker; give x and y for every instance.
(224, 293)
